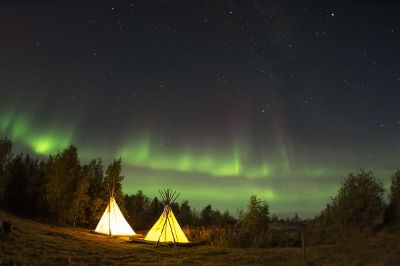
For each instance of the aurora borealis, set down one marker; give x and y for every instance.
(215, 99)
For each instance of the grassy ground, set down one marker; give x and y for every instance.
(40, 244)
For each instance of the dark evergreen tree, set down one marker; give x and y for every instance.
(227, 219)
(137, 206)
(23, 189)
(63, 174)
(5, 158)
(155, 209)
(16, 186)
(206, 215)
(295, 219)
(97, 192)
(113, 182)
(80, 196)
(185, 214)
(393, 211)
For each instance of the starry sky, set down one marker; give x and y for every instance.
(215, 99)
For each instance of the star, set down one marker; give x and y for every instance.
(214, 75)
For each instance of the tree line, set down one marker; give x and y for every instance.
(62, 190)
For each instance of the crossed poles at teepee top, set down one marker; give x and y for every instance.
(168, 198)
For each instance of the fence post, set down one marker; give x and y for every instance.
(304, 248)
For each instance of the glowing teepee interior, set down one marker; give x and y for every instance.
(113, 222)
(167, 229)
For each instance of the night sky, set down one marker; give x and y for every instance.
(215, 99)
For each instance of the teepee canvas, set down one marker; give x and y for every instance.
(167, 229)
(113, 222)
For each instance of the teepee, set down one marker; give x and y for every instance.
(113, 222)
(167, 229)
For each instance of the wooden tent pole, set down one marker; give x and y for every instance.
(170, 226)
(109, 218)
(162, 230)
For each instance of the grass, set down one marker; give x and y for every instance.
(33, 243)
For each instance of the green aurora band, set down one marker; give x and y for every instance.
(215, 163)
(147, 165)
(43, 142)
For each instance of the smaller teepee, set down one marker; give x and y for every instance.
(113, 222)
(167, 229)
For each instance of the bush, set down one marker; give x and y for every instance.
(254, 223)
(358, 207)
(360, 202)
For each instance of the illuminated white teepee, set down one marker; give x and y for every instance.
(167, 229)
(113, 222)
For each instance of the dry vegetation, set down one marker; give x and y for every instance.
(40, 244)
